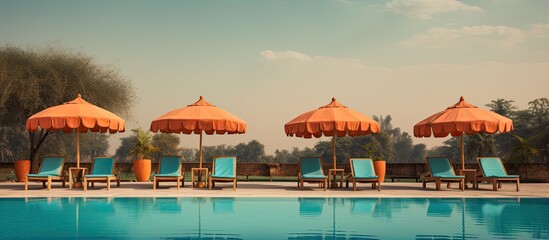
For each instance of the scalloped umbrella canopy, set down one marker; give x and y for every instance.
(197, 118)
(77, 115)
(462, 118)
(330, 120)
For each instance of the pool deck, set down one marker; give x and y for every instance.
(273, 189)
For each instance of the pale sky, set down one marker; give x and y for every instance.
(269, 61)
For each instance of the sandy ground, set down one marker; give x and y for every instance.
(271, 189)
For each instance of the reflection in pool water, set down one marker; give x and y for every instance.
(274, 218)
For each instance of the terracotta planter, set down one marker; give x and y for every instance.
(22, 168)
(380, 167)
(142, 170)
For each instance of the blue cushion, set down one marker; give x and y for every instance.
(448, 176)
(98, 175)
(224, 167)
(506, 176)
(311, 168)
(51, 166)
(492, 167)
(42, 175)
(170, 166)
(102, 166)
(222, 176)
(313, 176)
(441, 167)
(373, 177)
(168, 175)
(363, 168)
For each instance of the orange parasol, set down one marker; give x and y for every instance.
(199, 117)
(331, 120)
(462, 118)
(76, 115)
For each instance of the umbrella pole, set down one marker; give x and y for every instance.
(200, 154)
(334, 183)
(77, 148)
(462, 154)
(199, 182)
(334, 150)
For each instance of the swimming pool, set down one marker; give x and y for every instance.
(273, 218)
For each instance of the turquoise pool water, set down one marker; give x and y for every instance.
(273, 218)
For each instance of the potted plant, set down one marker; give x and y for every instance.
(22, 168)
(380, 165)
(143, 148)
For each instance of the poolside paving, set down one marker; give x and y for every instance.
(272, 189)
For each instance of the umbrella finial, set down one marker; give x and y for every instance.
(78, 95)
(201, 102)
(333, 104)
(462, 104)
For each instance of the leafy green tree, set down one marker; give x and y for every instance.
(522, 153)
(189, 154)
(253, 151)
(5, 150)
(419, 152)
(123, 152)
(505, 108)
(285, 156)
(32, 80)
(282, 156)
(11, 140)
(539, 109)
(502, 107)
(531, 124)
(167, 145)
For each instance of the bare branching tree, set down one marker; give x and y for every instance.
(34, 79)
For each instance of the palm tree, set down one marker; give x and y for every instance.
(143, 146)
(480, 145)
(522, 152)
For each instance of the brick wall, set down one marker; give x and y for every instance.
(538, 172)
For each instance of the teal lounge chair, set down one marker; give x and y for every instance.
(169, 170)
(223, 170)
(493, 171)
(51, 169)
(442, 171)
(362, 170)
(310, 170)
(102, 171)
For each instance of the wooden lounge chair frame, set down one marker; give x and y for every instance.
(496, 181)
(179, 179)
(212, 180)
(438, 180)
(47, 181)
(323, 182)
(351, 177)
(106, 179)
